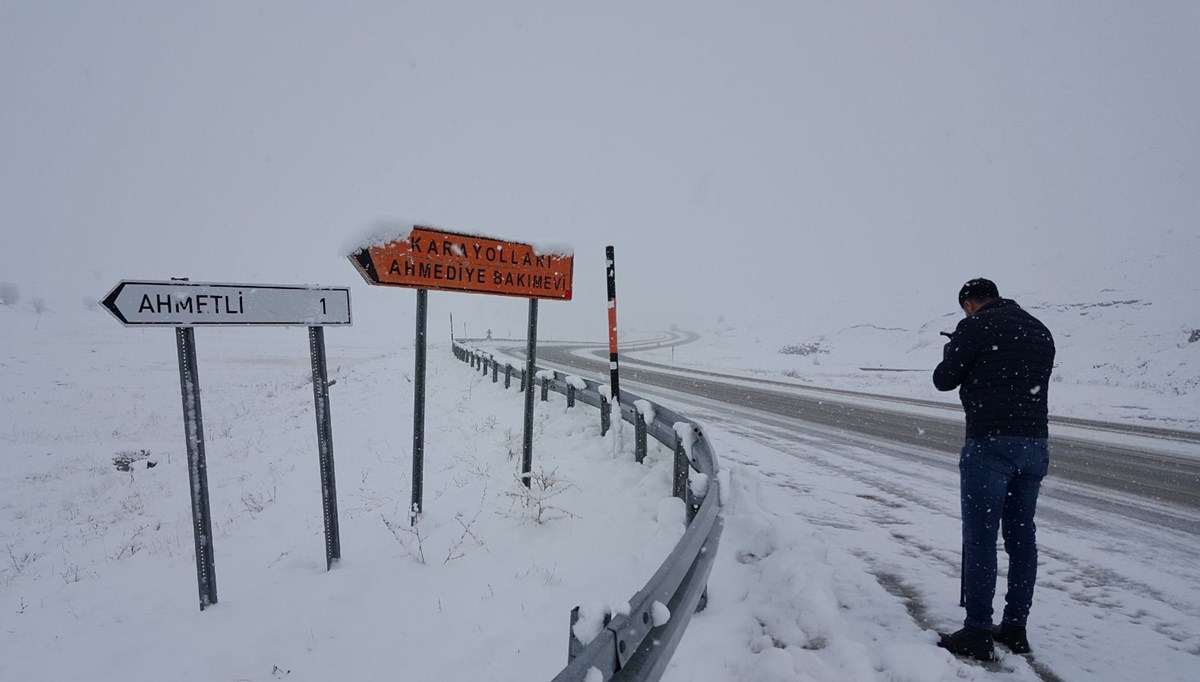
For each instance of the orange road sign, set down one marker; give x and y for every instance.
(448, 261)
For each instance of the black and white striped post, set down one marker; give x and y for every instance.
(613, 366)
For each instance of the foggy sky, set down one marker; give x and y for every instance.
(837, 163)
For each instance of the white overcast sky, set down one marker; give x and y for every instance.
(840, 162)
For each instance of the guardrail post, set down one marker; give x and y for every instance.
(679, 483)
(639, 432)
(545, 389)
(570, 396)
(495, 371)
(605, 415)
(507, 376)
(574, 646)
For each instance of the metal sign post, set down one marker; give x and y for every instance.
(530, 353)
(193, 428)
(333, 540)
(184, 305)
(418, 463)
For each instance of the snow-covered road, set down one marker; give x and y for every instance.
(1117, 577)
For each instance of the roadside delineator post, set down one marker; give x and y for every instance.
(614, 421)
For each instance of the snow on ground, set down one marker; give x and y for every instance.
(98, 563)
(838, 562)
(832, 566)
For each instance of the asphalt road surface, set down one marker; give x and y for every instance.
(1127, 469)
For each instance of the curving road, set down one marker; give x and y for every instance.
(1133, 470)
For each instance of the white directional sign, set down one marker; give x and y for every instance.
(179, 304)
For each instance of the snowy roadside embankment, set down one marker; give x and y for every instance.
(99, 561)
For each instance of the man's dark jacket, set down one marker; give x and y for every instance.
(999, 359)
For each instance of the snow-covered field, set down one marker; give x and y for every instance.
(98, 578)
(1130, 355)
(832, 567)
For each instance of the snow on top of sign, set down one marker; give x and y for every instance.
(540, 247)
(551, 248)
(386, 230)
(379, 233)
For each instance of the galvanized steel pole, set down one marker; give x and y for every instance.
(320, 374)
(418, 451)
(193, 425)
(530, 357)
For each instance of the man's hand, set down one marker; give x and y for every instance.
(948, 335)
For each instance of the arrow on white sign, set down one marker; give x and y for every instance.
(180, 304)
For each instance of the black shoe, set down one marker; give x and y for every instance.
(970, 642)
(1013, 637)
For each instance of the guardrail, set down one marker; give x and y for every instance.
(637, 644)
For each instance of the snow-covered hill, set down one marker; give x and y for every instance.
(1121, 355)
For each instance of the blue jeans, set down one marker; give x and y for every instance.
(1000, 478)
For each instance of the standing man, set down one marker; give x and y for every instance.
(999, 358)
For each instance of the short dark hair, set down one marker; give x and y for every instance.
(978, 289)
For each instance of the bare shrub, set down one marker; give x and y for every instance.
(409, 538)
(535, 500)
